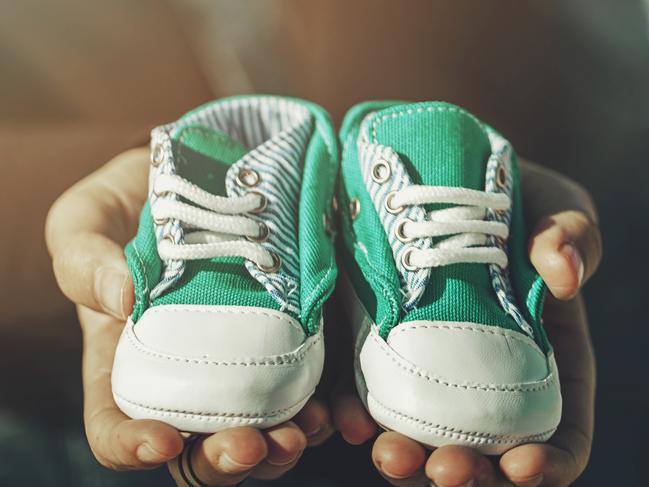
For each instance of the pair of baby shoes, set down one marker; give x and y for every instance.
(234, 259)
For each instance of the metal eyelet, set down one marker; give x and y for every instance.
(381, 171)
(334, 204)
(388, 204)
(264, 232)
(157, 155)
(326, 223)
(262, 205)
(277, 263)
(160, 194)
(398, 230)
(354, 208)
(405, 260)
(169, 237)
(248, 178)
(501, 177)
(161, 221)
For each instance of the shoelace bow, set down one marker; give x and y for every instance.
(465, 227)
(214, 227)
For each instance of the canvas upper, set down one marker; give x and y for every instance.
(232, 263)
(446, 306)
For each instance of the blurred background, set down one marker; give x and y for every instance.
(82, 80)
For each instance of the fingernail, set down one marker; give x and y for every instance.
(146, 454)
(318, 430)
(109, 290)
(314, 432)
(230, 466)
(282, 463)
(393, 475)
(575, 258)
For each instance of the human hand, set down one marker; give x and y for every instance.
(565, 248)
(86, 231)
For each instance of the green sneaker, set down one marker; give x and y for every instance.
(232, 263)
(445, 306)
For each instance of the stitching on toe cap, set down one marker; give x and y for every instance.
(416, 371)
(293, 358)
(225, 310)
(484, 329)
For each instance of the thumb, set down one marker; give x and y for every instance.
(85, 230)
(91, 270)
(565, 248)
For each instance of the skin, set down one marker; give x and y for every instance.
(89, 225)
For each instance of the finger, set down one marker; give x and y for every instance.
(567, 329)
(348, 413)
(286, 443)
(460, 466)
(227, 457)
(117, 441)
(566, 245)
(315, 422)
(564, 457)
(399, 460)
(534, 464)
(92, 271)
(350, 416)
(565, 248)
(87, 228)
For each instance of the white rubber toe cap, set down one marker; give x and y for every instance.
(208, 368)
(461, 383)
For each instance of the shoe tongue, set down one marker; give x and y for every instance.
(440, 144)
(204, 155)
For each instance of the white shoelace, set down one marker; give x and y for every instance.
(214, 230)
(465, 226)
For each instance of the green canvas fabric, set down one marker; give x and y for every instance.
(202, 156)
(371, 267)
(442, 147)
(200, 153)
(318, 270)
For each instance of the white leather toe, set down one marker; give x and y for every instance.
(207, 368)
(461, 383)
(218, 332)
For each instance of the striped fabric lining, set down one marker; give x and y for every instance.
(413, 283)
(501, 155)
(279, 131)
